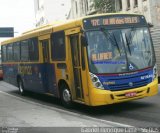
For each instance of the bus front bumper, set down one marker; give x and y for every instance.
(103, 97)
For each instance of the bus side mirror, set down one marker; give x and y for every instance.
(84, 41)
(150, 25)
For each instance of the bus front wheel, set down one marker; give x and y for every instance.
(66, 97)
(21, 87)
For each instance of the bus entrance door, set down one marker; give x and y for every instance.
(76, 70)
(76, 62)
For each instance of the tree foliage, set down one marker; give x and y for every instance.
(104, 6)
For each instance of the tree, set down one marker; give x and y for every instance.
(104, 6)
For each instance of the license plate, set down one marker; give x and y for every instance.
(131, 94)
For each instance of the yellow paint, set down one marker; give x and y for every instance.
(103, 97)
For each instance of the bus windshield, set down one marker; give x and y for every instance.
(119, 50)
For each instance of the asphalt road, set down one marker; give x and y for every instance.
(140, 113)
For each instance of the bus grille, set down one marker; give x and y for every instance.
(125, 86)
(125, 82)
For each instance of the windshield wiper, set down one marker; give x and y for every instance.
(128, 44)
(131, 35)
(116, 44)
(115, 41)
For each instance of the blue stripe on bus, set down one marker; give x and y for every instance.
(123, 82)
(39, 78)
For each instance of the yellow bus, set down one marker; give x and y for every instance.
(95, 60)
(1, 73)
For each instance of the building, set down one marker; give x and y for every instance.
(81, 8)
(47, 11)
(149, 8)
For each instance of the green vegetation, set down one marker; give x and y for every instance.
(104, 6)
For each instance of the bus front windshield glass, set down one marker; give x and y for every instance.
(120, 50)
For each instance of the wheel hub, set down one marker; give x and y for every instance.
(20, 87)
(66, 95)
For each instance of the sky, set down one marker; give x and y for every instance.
(59, 9)
(20, 14)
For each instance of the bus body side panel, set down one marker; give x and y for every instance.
(31, 75)
(49, 79)
(36, 77)
(9, 73)
(42, 79)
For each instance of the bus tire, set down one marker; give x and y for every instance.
(21, 87)
(66, 96)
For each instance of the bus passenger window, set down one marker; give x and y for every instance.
(24, 51)
(58, 46)
(33, 49)
(4, 56)
(16, 51)
(9, 52)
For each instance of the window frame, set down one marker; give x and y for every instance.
(135, 3)
(128, 5)
(19, 54)
(54, 51)
(24, 60)
(32, 57)
(119, 5)
(9, 59)
(2, 53)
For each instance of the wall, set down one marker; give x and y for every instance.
(143, 7)
(48, 11)
(155, 12)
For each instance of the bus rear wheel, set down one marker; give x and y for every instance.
(66, 96)
(21, 87)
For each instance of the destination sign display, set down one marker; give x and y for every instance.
(114, 20)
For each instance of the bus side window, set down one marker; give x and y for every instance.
(10, 52)
(24, 51)
(4, 54)
(16, 51)
(58, 46)
(33, 49)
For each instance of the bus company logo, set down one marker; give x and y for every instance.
(147, 76)
(131, 67)
(25, 70)
(130, 84)
(109, 83)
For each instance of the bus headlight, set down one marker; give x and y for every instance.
(96, 82)
(155, 72)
